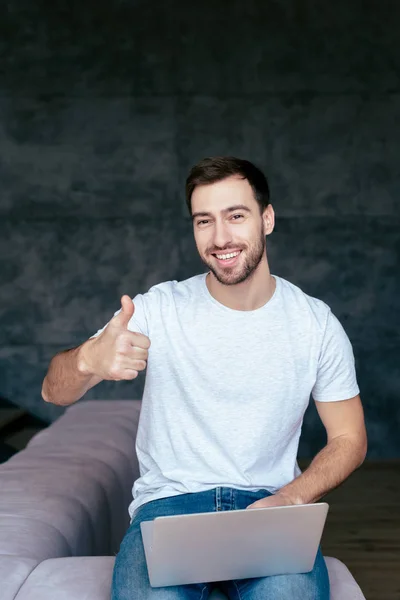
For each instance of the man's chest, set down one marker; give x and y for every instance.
(243, 360)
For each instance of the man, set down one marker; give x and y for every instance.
(235, 354)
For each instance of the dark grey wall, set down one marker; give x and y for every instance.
(105, 106)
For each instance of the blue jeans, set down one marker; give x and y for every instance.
(130, 579)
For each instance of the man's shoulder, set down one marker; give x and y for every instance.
(295, 295)
(174, 289)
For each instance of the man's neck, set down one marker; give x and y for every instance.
(251, 294)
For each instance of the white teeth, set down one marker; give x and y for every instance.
(226, 256)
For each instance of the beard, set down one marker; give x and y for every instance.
(247, 263)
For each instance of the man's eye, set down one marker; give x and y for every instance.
(236, 216)
(201, 222)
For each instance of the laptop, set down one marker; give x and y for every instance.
(234, 544)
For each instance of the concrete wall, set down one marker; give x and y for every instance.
(105, 106)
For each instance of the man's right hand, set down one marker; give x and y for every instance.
(116, 354)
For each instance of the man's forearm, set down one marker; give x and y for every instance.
(330, 467)
(65, 383)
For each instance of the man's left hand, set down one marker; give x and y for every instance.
(277, 499)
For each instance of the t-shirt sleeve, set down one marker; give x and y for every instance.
(138, 321)
(336, 374)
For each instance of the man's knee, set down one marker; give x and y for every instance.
(130, 579)
(280, 587)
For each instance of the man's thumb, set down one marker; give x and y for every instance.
(127, 310)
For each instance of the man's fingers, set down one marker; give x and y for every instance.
(138, 353)
(127, 374)
(127, 364)
(138, 340)
(140, 365)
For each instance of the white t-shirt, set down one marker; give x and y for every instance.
(226, 390)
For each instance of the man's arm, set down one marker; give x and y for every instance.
(344, 452)
(66, 380)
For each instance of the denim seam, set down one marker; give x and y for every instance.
(237, 589)
(202, 592)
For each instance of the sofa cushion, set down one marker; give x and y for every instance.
(14, 570)
(90, 578)
(75, 578)
(343, 584)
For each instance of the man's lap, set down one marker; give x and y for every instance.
(305, 586)
(130, 577)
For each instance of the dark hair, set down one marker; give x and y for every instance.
(216, 168)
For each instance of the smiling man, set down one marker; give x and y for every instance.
(233, 356)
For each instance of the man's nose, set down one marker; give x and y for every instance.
(222, 235)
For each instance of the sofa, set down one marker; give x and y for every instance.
(64, 507)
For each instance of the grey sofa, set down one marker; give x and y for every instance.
(63, 507)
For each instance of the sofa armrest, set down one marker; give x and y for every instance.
(68, 492)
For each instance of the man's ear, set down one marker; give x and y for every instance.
(268, 220)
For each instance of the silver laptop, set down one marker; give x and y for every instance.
(233, 544)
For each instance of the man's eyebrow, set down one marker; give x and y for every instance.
(225, 211)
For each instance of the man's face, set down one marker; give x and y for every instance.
(226, 220)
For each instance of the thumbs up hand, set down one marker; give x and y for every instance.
(117, 353)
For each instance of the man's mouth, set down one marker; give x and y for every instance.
(228, 258)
